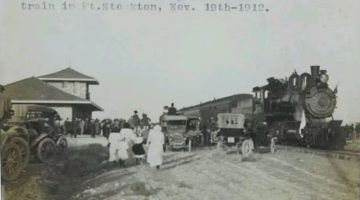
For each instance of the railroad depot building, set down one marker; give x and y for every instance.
(66, 91)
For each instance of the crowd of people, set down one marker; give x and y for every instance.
(126, 138)
(80, 126)
(93, 127)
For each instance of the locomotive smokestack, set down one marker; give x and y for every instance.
(315, 71)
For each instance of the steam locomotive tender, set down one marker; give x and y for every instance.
(299, 110)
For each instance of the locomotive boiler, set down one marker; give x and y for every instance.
(300, 110)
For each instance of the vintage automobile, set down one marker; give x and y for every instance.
(44, 138)
(181, 132)
(14, 145)
(233, 133)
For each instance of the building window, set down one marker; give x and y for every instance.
(266, 94)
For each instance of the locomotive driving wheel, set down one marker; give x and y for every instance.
(247, 147)
(11, 161)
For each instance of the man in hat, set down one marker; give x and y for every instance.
(97, 126)
(67, 125)
(145, 121)
(172, 110)
(5, 105)
(135, 120)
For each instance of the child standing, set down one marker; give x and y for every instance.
(138, 150)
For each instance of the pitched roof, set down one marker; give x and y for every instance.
(232, 97)
(68, 74)
(33, 90)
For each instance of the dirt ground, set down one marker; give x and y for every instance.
(353, 145)
(214, 175)
(202, 174)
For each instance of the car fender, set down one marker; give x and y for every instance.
(19, 132)
(4, 138)
(38, 139)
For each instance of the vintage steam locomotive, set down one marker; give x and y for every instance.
(297, 110)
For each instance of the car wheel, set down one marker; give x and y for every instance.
(24, 149)
(247, 147)
(11, 161)
(46, 150)
(61, 145)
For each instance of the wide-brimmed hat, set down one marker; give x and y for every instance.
(157, 128)
(139, 140)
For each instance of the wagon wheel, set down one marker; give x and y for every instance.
(247, 147)
(11, 161)
(61, 145)
(272, 145)
(46, 150)
(24, 149)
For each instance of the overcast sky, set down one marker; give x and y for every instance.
(147, 60)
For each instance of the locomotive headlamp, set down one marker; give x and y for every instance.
(324, 78)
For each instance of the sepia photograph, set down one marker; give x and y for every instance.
(179, 100)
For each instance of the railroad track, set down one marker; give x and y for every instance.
(349, 155)
(338, 154)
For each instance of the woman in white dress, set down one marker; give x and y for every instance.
(114, 140)
(118, 150)
(129, 136)
(155, 142)
(123, 148)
